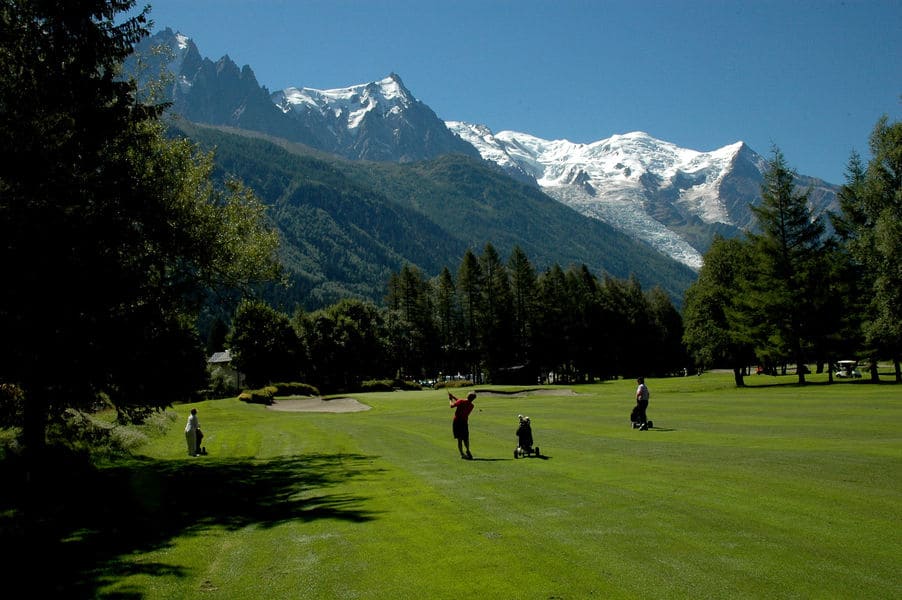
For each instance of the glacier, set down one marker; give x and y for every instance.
(612, 179)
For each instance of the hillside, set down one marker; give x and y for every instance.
(672, 199)
(347, 225)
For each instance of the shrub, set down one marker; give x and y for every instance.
(97, 435)
(295, 389)
(160, 422)
(12, 405)
(459, 383)
(222, 382)
(377, 385)
(388, 385)
(263, 396)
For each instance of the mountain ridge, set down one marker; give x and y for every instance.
(347, 225)
(672, 199)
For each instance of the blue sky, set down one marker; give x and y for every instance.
(811, 77)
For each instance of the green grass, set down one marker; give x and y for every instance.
(773, 491)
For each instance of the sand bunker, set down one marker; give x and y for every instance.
(330, 405)
(343, 405)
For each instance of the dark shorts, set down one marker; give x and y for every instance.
(461, 430)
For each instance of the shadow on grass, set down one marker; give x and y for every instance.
(69, 537)
(754, 384)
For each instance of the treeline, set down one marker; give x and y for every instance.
(492, 321)
(790, 293)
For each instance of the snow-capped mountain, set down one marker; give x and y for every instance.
(380, 120)
(347, 107)
(672, 198)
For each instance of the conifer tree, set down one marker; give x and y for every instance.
(870, 226)
(448, 319)
(523, 303)
(668, 355)
(785, 258)
(409, 295)
(553, 329)
(631, 324)
(470, 284)
(588, 339)
(496, 323)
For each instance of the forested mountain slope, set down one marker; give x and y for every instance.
(346, 226)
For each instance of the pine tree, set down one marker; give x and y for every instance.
(448, 319)
(870, 226)
(496, 324)
(470, 284)
(410, 295)
(588, 340)
(667, 350)
(786, 254)
(523, 304)
(553, 328)
(631, 325)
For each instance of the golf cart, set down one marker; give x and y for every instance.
(847, 369)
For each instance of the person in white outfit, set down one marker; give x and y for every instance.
(191, 429)
(642, 403)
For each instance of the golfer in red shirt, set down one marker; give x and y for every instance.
(462, 409)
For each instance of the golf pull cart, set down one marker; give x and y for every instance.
(524, 439)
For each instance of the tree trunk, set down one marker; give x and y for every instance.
(35, 424)
(737, 375)
(875, 375)
(34, 434)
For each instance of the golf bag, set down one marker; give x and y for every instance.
(636, 417)
(524, 439)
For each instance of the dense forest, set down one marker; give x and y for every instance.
(491, 321)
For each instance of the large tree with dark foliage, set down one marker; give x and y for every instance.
(787, 264)
(496, 313)
(870, 226)
(712, 308)
(110, 234)
(265, 345)
(348, 343)
(411, 300)
(523, 304)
